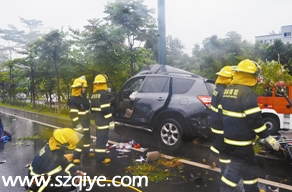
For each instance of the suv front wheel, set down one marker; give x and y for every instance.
(170, 134)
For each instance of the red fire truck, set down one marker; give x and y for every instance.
(276, 107)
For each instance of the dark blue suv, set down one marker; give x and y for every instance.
(168, 101)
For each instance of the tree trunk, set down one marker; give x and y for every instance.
(58, 85)
(33, 87)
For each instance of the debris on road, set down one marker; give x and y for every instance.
(122, 156)
(273, 190)
(152, 156)
(141, 159)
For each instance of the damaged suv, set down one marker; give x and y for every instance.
(172, 103)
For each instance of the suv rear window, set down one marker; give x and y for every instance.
(181, 85)
(210, 87)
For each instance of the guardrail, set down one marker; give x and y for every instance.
(56, 121)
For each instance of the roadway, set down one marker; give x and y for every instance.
(193, 176)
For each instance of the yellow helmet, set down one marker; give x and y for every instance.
(67, 136)
(226, 71)
(101, 78)
(248, 66)
(80, 82)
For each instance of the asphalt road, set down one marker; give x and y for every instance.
(191, 176)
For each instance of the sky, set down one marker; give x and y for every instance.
(191, 21)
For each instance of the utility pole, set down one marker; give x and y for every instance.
(161, 33)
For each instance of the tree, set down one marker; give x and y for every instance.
(174, 51)
(271, 73)
(19, 39)
(53, 49)
(102, 48)
(217, 53)
(135, 20)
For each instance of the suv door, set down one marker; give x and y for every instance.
(123, 105)
(149, 99)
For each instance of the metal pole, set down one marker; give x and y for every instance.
(161, 33)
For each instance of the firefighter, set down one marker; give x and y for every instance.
(216, 122)
(101, 112)
(79, 114)
(51, 162)
(243, 124)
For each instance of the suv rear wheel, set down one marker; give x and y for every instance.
(170, 134)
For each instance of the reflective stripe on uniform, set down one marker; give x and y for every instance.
(225, 161)
(228, 182)
(214, 108)
(33, 173)
(233, 114)
(238, 143)
(78, 129)
(252, 111)
(219, 106)
(73, 110)
(112, 125)
(77, 149)
(54, 171)
(95, 109)
(41, 188)
(75, 119)
(50, 173)
(260, 129)
(102, 127)
(100, 150)
(106, 105)
(85, 129)
(217, 131)
(86, 145)
(68, 168)
(108, 116)
(250, 182)
(214, 150)
(83, 112)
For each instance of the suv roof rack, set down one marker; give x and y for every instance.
(166, 70)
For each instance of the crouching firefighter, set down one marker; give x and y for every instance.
(102, 115)
(79, 114)
(243, 124)
(52, 164)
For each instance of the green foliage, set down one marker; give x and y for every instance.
(135, 20)
(272, 72)
(119, 45)
(160, 170)
(30, 138)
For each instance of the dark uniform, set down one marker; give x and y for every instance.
(216, 124)
(242, 122)
(101, 112)
(216, 120)
(79, 114)
(51, 163)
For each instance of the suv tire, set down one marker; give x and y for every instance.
(170, 134)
